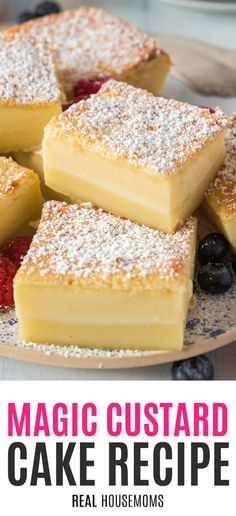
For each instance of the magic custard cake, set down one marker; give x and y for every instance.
(20, 197)
(29, 92)
(220, 198)
(141, 157)
(89, 42)
(95, 280)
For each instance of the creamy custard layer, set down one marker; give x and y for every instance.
(88, 42)
(120, 188)
(21, 127)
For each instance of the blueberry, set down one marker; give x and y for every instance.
(212, 248)
(215, 278)
(234, 263)
(197, 368)
(25, 16)
(45, 8)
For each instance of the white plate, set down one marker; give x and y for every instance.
(203, 5)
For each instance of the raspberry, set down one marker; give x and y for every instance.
(211, 110)
(8, 270)
(196, 368)
(86, 87)
(16, 249)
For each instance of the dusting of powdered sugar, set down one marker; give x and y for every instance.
(11, 175)
(223, 188)
(27, 71)
(88, 41)
(83, 243)
(151, 132)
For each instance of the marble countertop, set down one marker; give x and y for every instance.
(152, 16)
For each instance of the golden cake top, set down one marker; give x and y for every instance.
(153, 133)
(89, 41)
(12, 176)
(223, 189)
(86, 246)
(27, 71)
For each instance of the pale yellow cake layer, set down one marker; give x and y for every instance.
(124, 190)
(21, 127)
(34, 161)
(97, 305)
(19, 208)
(149, 76)
(146, 337)
(100, 318)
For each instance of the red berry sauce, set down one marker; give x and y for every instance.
(86, 87)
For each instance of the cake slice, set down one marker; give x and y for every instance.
(34, 161)
(138, 156)
(29, 92)
(89, 42)
(220, 198)
(20, 197)
(95, 280)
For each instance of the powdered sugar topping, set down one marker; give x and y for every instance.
(223, 189)
(154, 133)
(89, 41)
(85, 244)
(27, 71)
